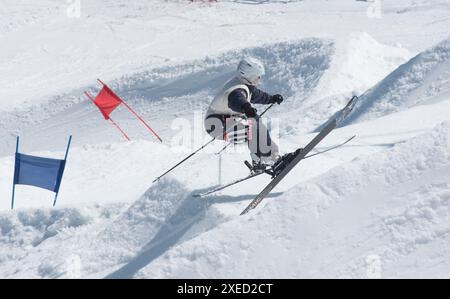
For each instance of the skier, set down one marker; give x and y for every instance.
(234, 102)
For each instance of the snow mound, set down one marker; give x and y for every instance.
(32, 227)
(165, 216)
(33, 238)
(100, 238)
(292, 67)
(399, 204)
(152, 224)
(422, 80)
(358, 62)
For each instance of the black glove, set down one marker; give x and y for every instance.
(278, 98)
(249, 110)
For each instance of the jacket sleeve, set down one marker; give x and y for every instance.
(259, 96)
(236, 99)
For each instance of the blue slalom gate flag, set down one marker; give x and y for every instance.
(40, 172)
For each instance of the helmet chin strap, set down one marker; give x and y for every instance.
(249, 82)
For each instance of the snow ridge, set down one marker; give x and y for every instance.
(422, 79)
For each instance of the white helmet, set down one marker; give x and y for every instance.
(250, 70)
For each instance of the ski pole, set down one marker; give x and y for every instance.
(265, 110)
(331, 148)
(192, 154)
(226, 146)
(175, 166)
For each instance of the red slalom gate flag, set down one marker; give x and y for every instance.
(106, 111)
(107, 101)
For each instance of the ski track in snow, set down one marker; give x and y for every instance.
(383, 198)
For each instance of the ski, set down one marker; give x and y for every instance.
(219, 188)
(330, 125)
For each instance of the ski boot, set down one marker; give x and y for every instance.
(256, 167)
(282, 162)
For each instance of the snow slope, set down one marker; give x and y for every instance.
(167, 228)
(377, 207)
(397, 202)
(423, 79)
